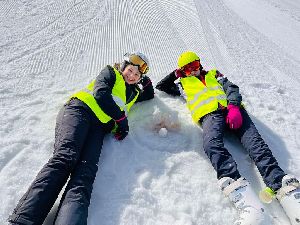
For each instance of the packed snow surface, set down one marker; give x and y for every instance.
(50, 49)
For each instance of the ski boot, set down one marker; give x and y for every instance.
(289, 197)
(251, 211)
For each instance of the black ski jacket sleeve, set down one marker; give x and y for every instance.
(103, 92)
(232, 90)
(104, 84)
(168, 85)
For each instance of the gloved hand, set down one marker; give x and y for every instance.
(122, 128)
(234, 117)
(145, 81)
(178, 73)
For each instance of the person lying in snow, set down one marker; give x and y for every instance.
(81, 125)
(216, 104)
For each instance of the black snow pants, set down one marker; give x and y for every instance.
(214, 126)
(78, 142)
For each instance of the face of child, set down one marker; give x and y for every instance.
(192, 69)
(131, 74)
(194, 73)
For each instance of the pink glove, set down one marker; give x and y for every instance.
(234, 117)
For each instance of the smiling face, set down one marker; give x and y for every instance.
(131, 74)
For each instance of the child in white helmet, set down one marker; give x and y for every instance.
(81, 126)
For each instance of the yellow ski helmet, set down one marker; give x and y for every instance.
(186, 58)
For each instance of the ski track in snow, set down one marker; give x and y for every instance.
(54, 48)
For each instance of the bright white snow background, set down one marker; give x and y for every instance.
(50, 49)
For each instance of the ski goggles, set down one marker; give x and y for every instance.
(193, 66)
(135, 60)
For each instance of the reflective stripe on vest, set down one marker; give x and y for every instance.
(118, 94)
(202, 99)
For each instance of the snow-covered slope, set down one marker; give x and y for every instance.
(49, 49)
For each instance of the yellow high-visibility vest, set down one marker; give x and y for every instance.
(202, 99)
(118, 94)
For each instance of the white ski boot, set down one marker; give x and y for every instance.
(251, 210)
(289, 197)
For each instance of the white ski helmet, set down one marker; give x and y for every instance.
(137, 59)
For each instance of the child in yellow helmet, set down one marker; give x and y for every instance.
(216, 104)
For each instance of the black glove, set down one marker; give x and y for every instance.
(145, 81)
(122, 128)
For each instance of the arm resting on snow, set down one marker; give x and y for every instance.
(147, 91)
(232, 91)
(167, 85)
(102, 93)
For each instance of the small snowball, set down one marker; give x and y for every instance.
(163, 132)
